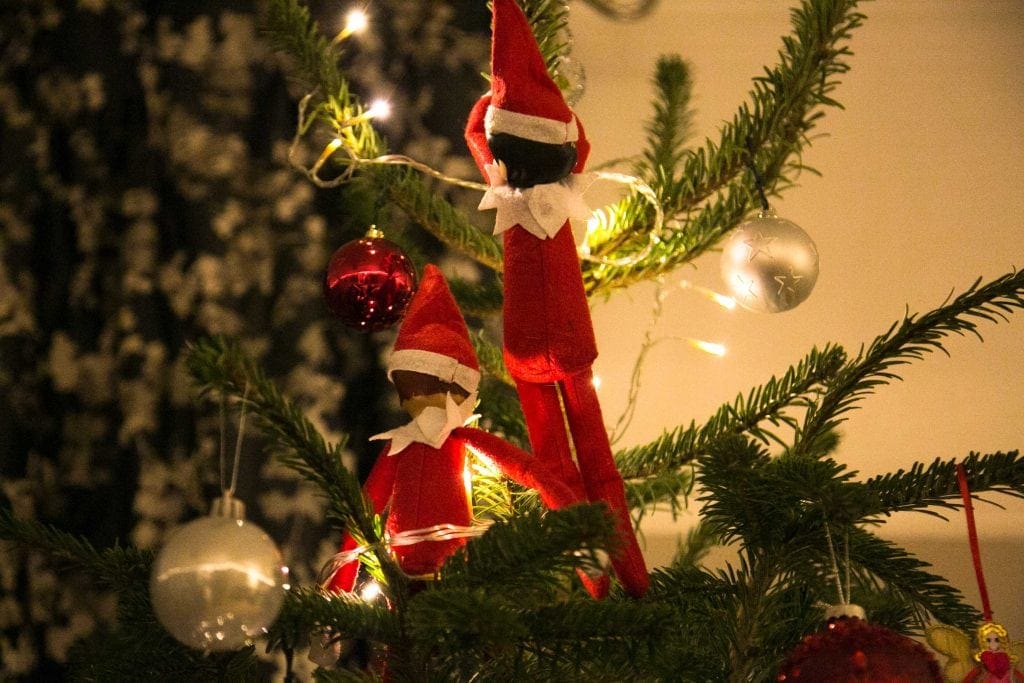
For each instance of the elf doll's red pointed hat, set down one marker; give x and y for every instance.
(433, 338)
(524, 99)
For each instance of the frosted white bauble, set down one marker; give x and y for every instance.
(219, 581)
(769, 264)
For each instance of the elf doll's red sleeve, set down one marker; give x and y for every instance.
(519, 466)
(378, 488)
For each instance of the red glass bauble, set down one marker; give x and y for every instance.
(851, 650)
(369, 283)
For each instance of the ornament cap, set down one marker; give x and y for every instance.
(228, 506)
(373, 232)
(846, 610)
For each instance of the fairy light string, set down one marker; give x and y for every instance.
(350, 137)
(438, 532)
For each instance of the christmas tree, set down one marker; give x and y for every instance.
(159, 246)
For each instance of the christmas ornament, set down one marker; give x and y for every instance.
(996, 658)
(369, 283)
(219, 581)
(529, 144)
(851, 649)
(420, 475)
(769, 264)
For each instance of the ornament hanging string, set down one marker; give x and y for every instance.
(438, 532)
(844, 597)
(972, 536)
(228, 490)
(758, 180)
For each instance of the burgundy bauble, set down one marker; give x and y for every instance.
(851, 650)
(369, 283)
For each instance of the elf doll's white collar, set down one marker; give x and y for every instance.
(432, 426)
(541, 210)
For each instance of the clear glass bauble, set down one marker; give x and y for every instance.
(769, 264)
(219, 581)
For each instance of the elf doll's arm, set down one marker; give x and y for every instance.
(519, 466)
(378, 489)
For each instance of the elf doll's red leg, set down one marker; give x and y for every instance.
(601, 478)
(542, 408)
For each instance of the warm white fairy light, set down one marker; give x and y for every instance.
(713, 348)
(726, 302)
(356, 21)
(380, 109)
(596, 381)
(370, 592)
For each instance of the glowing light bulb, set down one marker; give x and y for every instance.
(722, 300)
(726, 302)
(329, 149)
(356, 21)
(596, 381)
(380, 109)
(713, 348)
(370, 592)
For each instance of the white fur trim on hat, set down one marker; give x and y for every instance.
(536, 128)
(445, 368)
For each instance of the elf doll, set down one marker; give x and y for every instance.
(419, 475)
(531, 147)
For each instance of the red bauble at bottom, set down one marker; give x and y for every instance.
(850, 650)
(369, 283)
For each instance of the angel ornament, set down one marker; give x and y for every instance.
(994, 661)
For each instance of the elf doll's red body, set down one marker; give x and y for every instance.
(530, 145)
(419, 476)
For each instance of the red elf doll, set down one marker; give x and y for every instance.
(419, 475)
(531, 147)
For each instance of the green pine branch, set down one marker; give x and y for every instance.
(311, 612)
(407, 191)
(479, 298)
(763, 408)
(670, 488)
(531, 554)
(549, 20)
(119, 568)
(903, 574)
(769, 132)
(672, 123)
(936, 485)
(290, 29)
(906, 341)
(475, 634)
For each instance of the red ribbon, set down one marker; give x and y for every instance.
(972, 535)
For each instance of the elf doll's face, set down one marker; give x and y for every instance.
(417, 391)
(530, 163)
